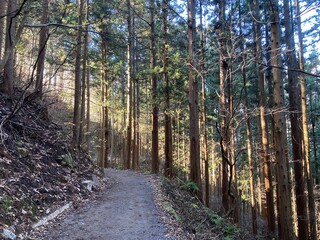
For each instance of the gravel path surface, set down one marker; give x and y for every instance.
(126, 211)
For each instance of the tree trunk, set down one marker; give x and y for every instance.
(249, 146)
(155, 110)
(101, 161)
(204, 109)
(43, 38)
(195, 174)
(295, 119)
(77, 81)
(263, 104)
(129, 86)
(305, 149)
(137, 127)
(280, 142)
(2, 13)
(104, 107)
(264, 127)
(10, 41)
(224, 136)
(88, 109)
(84, 81)
(315, 144)
(167, 116)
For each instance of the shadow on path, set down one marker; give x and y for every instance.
(126, 211)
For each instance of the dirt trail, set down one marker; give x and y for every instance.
(126, 211)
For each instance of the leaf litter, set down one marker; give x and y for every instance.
(39, 171)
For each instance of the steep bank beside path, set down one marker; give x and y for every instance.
(125, 211)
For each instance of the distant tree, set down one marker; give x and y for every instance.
(2, 17)
(43, 38)
(10, 41)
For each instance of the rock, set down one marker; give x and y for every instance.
(8, 234)
(88, 184)
(23, 152)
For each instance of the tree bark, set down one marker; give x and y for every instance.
(224, 135)
(105, 110)
(77, 81)
(10, 42)
(204, 108)
(280, 142)
(2, 13)
(195, 173)
(296, 125)
(155, 110)
(264, 127)
(43, 38)
(84, 75)
(167, 116)
(129, 86)
(305, 147)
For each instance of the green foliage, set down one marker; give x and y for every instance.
(213, 218)
(6, 203)
(168, 207)
(231, 230)
(190, 186)
(67, 160)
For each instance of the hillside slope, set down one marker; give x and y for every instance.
(39, 172)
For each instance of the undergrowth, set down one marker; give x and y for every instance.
(201, 222)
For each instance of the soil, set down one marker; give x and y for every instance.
(126, 210)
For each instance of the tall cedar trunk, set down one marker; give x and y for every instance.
(264, 127)
(249, 144)
(77, 81)
(280, 143)
(129, 86)
(167, 116)
(88, 109)
(311, 203)
(137, 127)
(83, 78)
(8, 73)
(250, 159)
(223, 142)
(315, 143)
(195, 174)
(2, 13)
(43, 38)
(204, 109)
(134, 108)
(101, 161)
(105, 112)
(155, 110)
(296, 124)
(134, 95)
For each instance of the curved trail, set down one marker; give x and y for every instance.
(126, 211)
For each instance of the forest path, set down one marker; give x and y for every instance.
(125, 211)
